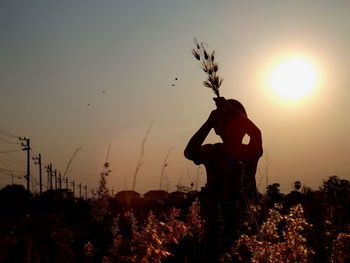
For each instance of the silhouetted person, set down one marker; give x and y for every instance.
(230, 166)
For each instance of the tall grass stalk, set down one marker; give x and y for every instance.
(208, 65)
(140, 161)
(164, 165)
(70, 161)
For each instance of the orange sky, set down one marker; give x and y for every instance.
(122, 58)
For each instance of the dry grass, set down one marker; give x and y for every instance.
(208, 65)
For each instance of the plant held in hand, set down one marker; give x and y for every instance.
(209, 66)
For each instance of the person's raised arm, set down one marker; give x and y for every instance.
(255, 143)
(193, 148)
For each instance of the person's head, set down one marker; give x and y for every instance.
(230, 110)
(237, 106)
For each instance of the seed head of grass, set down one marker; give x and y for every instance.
(206, 59)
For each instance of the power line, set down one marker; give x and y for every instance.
(14, 176)
(4, 169)
(8, 173)
(15, 171)
(21, 177)
(5, 133)
(12, 158)
(10, 151)
(6, 162)
(8, 141)
(13, 161)
(5, 172)
(33, 153)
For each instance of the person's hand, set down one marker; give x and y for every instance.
(224, 107)
(213, 118)
(220, 102)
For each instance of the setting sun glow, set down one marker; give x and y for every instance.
(293, 78)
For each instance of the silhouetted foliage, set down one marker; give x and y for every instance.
(14, 200)
(57, 227)
(273, 194)
(336, 189)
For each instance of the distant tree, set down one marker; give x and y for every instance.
(305, 190)
(14, 199)
(297, 185)
(295, 196)
(273, 194)
(335, 188)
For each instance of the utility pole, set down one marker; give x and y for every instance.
(85, 188)
(49, 175)
(26, 146)
(67, 183)
(79, 190)
(73, 185)
(60, 180)
(33, 186)
(37, 160)
(55, 175)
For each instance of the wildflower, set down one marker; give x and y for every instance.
(151, 241)
(89, 249)
(340, 250)
(269, 246)
(100, 205)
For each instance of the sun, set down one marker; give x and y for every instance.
(293, 78)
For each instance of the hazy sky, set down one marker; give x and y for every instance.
(122, 57)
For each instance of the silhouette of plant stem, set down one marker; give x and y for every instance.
(100, 205)
(140, 161)
(108, 152)
(70, 161)
(164, 165)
